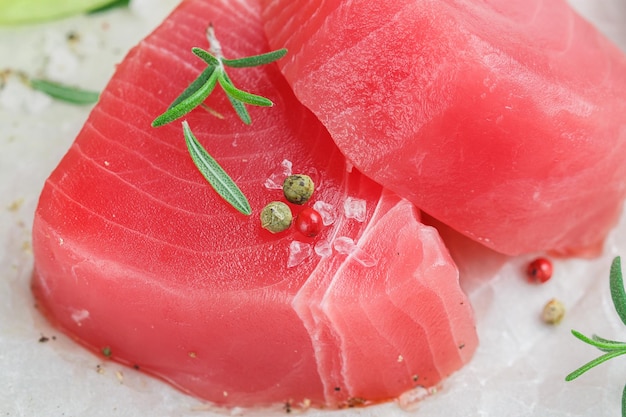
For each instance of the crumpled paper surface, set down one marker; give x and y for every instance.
(519, 367)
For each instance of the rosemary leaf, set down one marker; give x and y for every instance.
(617, 288)
(65, 93)
(188, 104)
(607, 345)
(599, 342)
(240, 109)
(215, 174)
(255, 60)
(624, 402)
(194, 86)
(238, 105)
(241, 95)
(582, 337)
(592, 364)
(205, 56)
(113, 4)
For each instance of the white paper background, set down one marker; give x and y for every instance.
(518, 369)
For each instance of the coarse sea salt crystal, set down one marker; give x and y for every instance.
(327, 211)
(323, 249)
(298, 253)
(346, 246)
(276, 178)
(79, 315)
(355, 208)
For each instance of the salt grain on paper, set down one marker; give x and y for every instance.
(62, 65)
(327, 211)
(16, 96)
(355, 208)
(346, 246)
(276, 178)
(410, 400)
(298, 253)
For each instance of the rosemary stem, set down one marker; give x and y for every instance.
(214, 45)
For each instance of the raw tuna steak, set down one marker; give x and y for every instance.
(503, 119)
(135, 253)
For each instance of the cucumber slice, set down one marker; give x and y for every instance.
(30, 11)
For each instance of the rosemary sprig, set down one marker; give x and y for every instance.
(195, 95)
(63, 92)
(611, 348)
(214, 173)
(215, 73)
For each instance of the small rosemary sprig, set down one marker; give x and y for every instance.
(195, 95)
(215, 73)
(611, 348)
(62, 92)
(58, 91)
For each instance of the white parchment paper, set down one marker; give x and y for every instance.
(518, 370)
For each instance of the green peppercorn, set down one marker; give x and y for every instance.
(298, 188)
(276, 217)
(106, 351)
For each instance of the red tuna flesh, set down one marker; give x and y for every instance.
(134, 252)
(502, 119)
